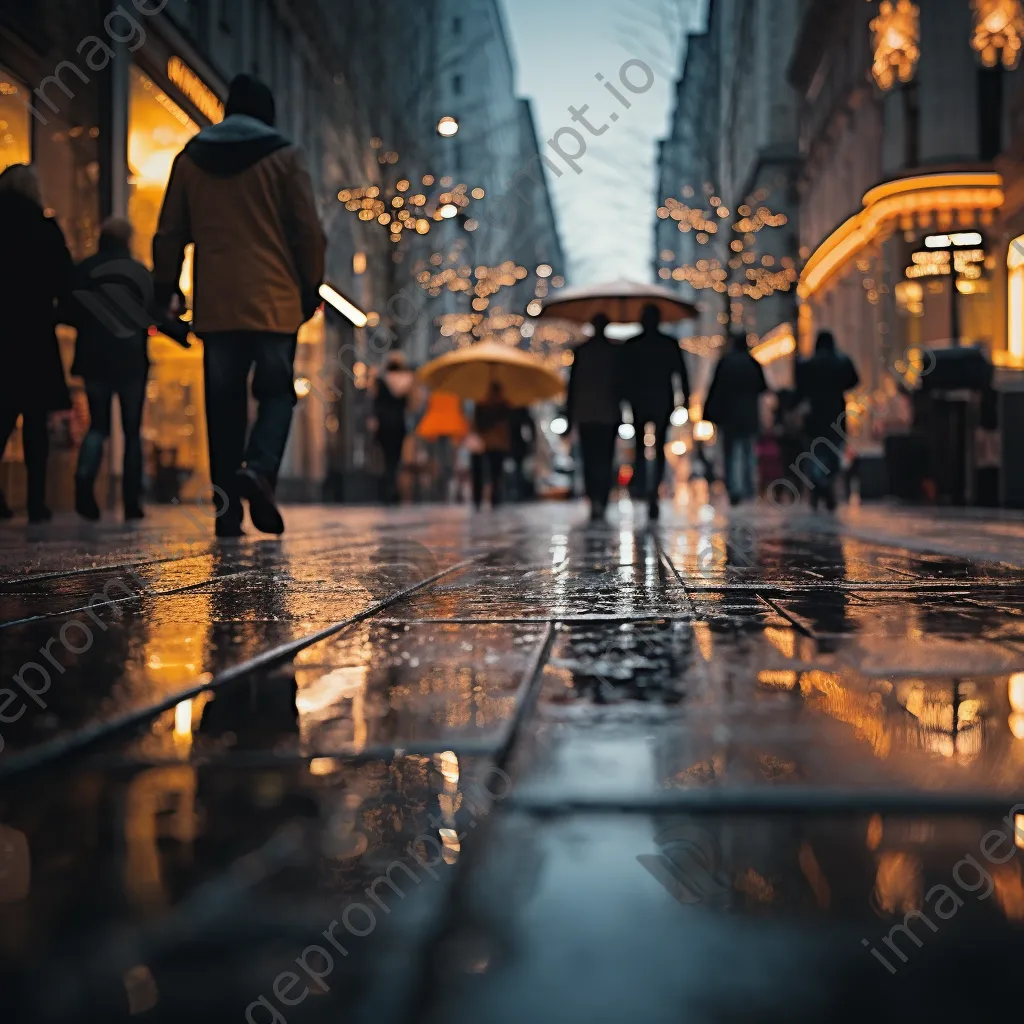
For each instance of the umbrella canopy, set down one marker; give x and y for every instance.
(469, 373)
(621, 301)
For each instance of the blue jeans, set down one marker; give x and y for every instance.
(740, 466)
(131, 393)
(227, 359)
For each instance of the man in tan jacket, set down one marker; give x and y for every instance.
(242, 193)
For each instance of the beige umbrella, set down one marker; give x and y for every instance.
(621, 301)
(470, 372)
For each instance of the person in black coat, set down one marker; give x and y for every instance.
(822, 382)
(652, 363)
(111, 356)
(733, 405)
(390, 407)
(594, 408)
(35, 273)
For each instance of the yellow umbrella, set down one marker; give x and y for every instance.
(621, 301)
(470, 372)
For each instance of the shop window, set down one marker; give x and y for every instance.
(1015, 303)
(15, 122)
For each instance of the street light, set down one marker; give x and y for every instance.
(447, 127)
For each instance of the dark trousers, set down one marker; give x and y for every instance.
(35, 436)
(131, 395)
(488, 464)
(391, 445)
(643, 486)
(597, 441)
(740, 466)
(227, 359)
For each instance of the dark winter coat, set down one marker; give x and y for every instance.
(649, 362)
(114, 346)
(35, 272)
(595, 383)
(823, 381)
(732, 402)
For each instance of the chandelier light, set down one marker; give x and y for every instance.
(897, 38)
(998, 31)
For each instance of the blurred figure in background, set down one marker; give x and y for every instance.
(594, 408)
(112, 357)
(733, 405)
(822, 382)
(524, 444)
(492, 425)
(35, 274)
(391, 393)
(444, 427)
(655, 382)
(789, 427)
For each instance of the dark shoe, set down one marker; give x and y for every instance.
(263, 511)
(133, 512)
(597, 513)
(228, 531)
(5, 509)
(39, 514)
(85, 501)
(654, 511)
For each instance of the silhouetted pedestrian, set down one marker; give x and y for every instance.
(492, 425)
(112, 358)
(822, 382)
(242, 193)
(733, 405)
(35, 274)
(391, 393)
(594, 406)
(524, 443)
(655, 378)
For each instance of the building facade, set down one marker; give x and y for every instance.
(102, 96)
(905, 123)
(726, 233)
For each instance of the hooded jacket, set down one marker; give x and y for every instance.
(242, 193)
(823, 381)
(732, 402)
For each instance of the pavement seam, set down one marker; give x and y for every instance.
(48, 753)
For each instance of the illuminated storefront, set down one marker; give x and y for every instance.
(15, 122)
(175, 422)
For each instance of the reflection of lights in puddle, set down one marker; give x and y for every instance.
(452, 846)
(1016, 689)
(448, 765)
(324, 765)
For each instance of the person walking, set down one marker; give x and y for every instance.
(524, 444)
(112, 358)
(656, 380)
(492, 425)
(733, 405)
(35, 275)
(444, 428)
(391, 393)
(242, 193)
(594, 409)
(822, 382)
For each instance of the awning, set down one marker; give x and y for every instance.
(944, 199)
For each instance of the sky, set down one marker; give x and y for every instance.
(606, 211)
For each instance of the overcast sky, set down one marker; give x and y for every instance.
(606, 212)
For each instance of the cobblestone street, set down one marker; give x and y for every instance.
(423, 766)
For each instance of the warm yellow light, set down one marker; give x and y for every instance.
(359, 263)
(679, 448)
(998, 31)
(403, 186)
(195, 89)
(448, 211)
(478, 193)
(703, 431)
(776, 344)
(897, 37)
(919, 196)
(302, 387)
(534, 308)
(338, 301)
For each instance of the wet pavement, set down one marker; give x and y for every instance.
(421, 766)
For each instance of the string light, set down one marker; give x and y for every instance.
(897, 38)
(998, 31)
